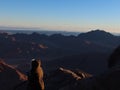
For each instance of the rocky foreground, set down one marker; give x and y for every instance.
(13, 79)
(61, 79)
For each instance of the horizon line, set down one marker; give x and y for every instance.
(55, 30)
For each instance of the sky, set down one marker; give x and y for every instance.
(65, 15)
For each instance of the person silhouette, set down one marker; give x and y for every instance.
(35, 77)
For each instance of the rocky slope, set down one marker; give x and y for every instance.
(62, 77)
(10, 77)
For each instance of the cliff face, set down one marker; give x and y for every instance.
(10, 77)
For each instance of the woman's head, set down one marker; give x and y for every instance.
(114, 58)
(36, 63)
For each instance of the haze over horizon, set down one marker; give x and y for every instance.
(64, 15)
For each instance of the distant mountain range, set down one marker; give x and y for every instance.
(57, 48)
(46, 32)
(87, 51)
(56, 45)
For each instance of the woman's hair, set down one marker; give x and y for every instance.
(114, 58)
(35, 63)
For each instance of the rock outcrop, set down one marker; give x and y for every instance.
(10, 77)
(62, 77)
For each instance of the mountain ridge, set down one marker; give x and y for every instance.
(35, 44)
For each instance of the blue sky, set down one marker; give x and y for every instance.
(67, 15)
